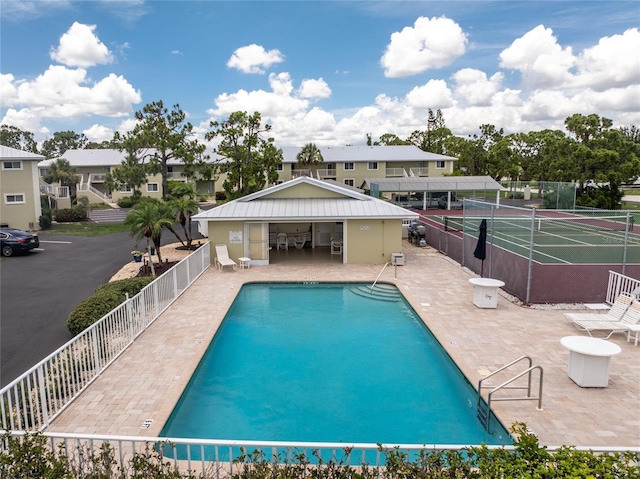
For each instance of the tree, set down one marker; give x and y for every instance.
(132, 172)
(252, 160)
(146, 220)
(434, 137)
(184, 206)
(60, 171)
(62, 141)
(17, 138)
(309, 155)
(162, 135)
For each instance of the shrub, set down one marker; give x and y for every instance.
(45, 221)
(71, 215)
(126, 202)
(221, 195)
(106, 298)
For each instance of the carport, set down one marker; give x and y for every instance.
(429, 189)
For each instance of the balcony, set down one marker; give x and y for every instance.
(297, 173)
(97, 178)
(419, 171)
(324, 173)
(395, 173)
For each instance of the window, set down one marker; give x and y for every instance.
(440, 164)
(14, 198)
(11, 165)
(349, 182)
(280, 167)
(125, 189)
(349, 166)
(372, 165)
(152, 187)
(44, 171)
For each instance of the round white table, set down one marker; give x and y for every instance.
(485, 292)
(589, 360)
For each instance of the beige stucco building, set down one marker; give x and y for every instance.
(19, 183)
(307, 213)
(348, 165)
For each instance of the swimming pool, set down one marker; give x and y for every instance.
(322, 363)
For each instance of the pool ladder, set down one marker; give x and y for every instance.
(484, 411)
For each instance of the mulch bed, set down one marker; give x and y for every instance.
(160, 269)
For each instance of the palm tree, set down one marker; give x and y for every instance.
(63, 173)
(146, 220)
(184, 205)
(309, 155)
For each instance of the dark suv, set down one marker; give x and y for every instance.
(17, 241)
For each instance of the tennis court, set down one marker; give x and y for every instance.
(556, 237)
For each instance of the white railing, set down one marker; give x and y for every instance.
(33, 400)
(392, 172)
(619, 283)
(419, 171)
(95, 191)
(326, 173)
(214, 458)
(97, 178)
(54, 191)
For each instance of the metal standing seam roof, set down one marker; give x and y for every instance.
(444, 183)
(110, 157)
(350, 206)
(8, 153)
(358, 154)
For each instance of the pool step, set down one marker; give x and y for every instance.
(380, 292)
(482, 415)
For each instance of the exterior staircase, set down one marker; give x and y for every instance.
(114, 215)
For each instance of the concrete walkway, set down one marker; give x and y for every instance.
(147, 380)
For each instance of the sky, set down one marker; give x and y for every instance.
(322, 72)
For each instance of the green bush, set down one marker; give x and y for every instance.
(71, 215)
(106, 298)
(45, 221)
(221, 196)
(126, 202)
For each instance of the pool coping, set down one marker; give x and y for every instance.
(137, 393)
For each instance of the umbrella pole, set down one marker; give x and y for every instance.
(481, 268)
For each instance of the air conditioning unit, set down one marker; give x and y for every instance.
(397, 259)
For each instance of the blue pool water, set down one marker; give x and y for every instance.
(319, 363)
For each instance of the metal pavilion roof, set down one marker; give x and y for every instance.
(441, 183)
(351, 205)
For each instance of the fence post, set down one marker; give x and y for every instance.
(44, 407)
(129, 310)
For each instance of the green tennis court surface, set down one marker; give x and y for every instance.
(563, 239)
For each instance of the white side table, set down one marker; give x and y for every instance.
(485, 292)
(245, 262)
(589, 360)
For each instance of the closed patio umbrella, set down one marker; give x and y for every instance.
(481, 248)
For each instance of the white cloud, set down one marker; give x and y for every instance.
(434, 94)
(314, 89)
(8, 91)
(28, 10)
(542, 62)
(254, 59)
(613, 62)
(474, 88)
(98, 133)
(430, 43)
(79, 47)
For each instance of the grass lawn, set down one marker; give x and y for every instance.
(86, 229)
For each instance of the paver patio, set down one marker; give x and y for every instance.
(148, 379)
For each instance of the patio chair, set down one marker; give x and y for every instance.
(282, 241)
(628, 323)
(222, 258)
(617, 311)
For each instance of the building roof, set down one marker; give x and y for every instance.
(342, 154)
(8, 153)
(107, 157)
(440, 183)
(348, 204)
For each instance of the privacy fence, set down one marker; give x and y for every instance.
(33, 400)
(533, 251)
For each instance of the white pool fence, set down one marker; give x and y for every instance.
(33, 400)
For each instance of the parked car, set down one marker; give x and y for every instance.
(17, 241)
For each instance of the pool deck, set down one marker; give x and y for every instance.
(146, 381)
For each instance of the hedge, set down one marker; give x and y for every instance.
(105, 298)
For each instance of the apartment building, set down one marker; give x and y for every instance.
(20, 201)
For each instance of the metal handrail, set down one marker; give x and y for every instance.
(381, 271)
(505, 384)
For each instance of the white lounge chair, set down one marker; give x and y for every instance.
(222, 258)
(617, 311)
(628, 323)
